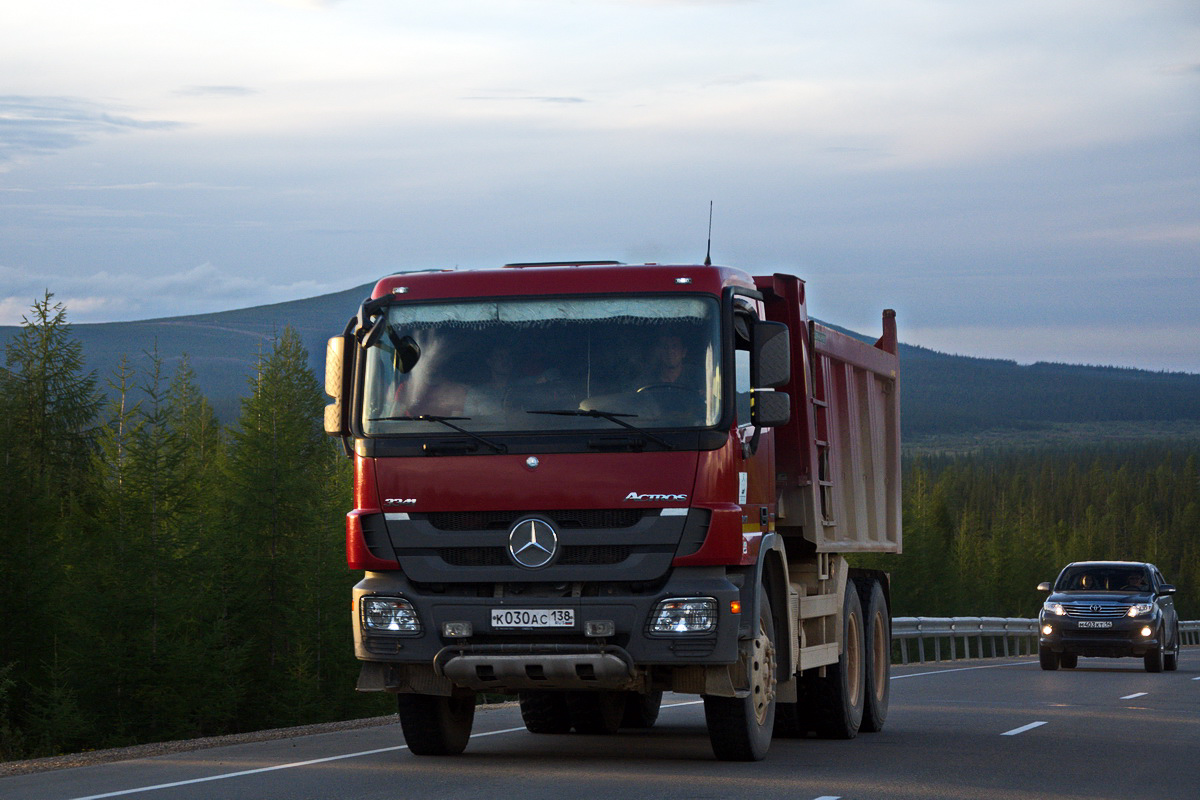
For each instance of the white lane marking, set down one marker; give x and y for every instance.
(1135, 694)
(963, 669)
(272, 769)
(829, 797)
(1196, 679)
(1023, 728)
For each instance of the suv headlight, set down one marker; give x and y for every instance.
(1138, 609)
(1054, 608)
(390, 615)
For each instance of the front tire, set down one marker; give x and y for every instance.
(1068, 660)
(435, 725)
(1154, 660)
(739, 728)
(1171, 659)
(1048, 658)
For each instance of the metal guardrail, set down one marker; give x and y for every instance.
(973, 637)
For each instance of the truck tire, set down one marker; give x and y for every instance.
(596, 713)
(1047, 658)
(545, 712)
(641, 710)
(837, 701)
(740, 728)
(879, 660)
(434, 725)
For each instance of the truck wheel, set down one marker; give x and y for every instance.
(1047, 658)
(739, 728)
(545, 712)
(837, 701)
(596, 712)
(641, 710)
(1154, 660)
(435, 725)
(1068, 660)
(879, 660)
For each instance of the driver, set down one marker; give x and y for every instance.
(1136, 582)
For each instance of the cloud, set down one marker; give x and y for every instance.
(223, 91)
(31, 126)
(531, 98)
(106, 295)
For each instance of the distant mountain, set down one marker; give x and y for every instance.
(941, 394)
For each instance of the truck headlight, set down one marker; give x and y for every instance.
(1138, 609)
(1053, 608)
(389, 615)
(684, 615)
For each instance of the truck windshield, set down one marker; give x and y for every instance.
(655, 361)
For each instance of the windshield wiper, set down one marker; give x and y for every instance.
(611, 416)
(449, 423)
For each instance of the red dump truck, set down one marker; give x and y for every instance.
(590, 483)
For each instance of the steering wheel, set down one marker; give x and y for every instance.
(651, 387)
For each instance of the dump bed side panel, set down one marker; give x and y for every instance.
(839, 458)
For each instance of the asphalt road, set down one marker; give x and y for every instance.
(986, 730)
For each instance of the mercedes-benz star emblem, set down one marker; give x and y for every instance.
(532, 543)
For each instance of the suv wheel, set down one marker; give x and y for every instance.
(1048, 658)
(1171, 659)
(1154, 660)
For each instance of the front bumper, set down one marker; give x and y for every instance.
(1080, 637)
(507, 659)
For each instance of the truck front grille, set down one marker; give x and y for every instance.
(503, 520)
(578, 555)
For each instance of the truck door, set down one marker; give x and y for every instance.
(756, 476)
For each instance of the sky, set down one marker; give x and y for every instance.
(1019, 179)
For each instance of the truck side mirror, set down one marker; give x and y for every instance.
(770, 409)
(770, 355)
(337, 352)
(1044, 586)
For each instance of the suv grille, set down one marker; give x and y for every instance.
(1096, 610)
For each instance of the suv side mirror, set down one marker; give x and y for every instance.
(1044, 586)
(1167, 588)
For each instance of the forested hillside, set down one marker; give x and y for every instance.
(165, 575)
(942, 395)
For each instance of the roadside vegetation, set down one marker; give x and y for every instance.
(164, 575)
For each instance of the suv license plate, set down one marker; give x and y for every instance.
(1096, 624)
(533, 617)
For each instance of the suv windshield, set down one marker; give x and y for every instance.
(1104, 578)
(653, 362)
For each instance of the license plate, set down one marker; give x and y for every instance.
(533, 617)
(1096, 624)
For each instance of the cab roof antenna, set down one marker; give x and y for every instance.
(708, 252)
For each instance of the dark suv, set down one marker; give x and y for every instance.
(1110, 609)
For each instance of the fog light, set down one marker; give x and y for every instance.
(599, 628)
(456, 630)
(685, 615)
(389, 615)
(1147, 631)
(1047, 630)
